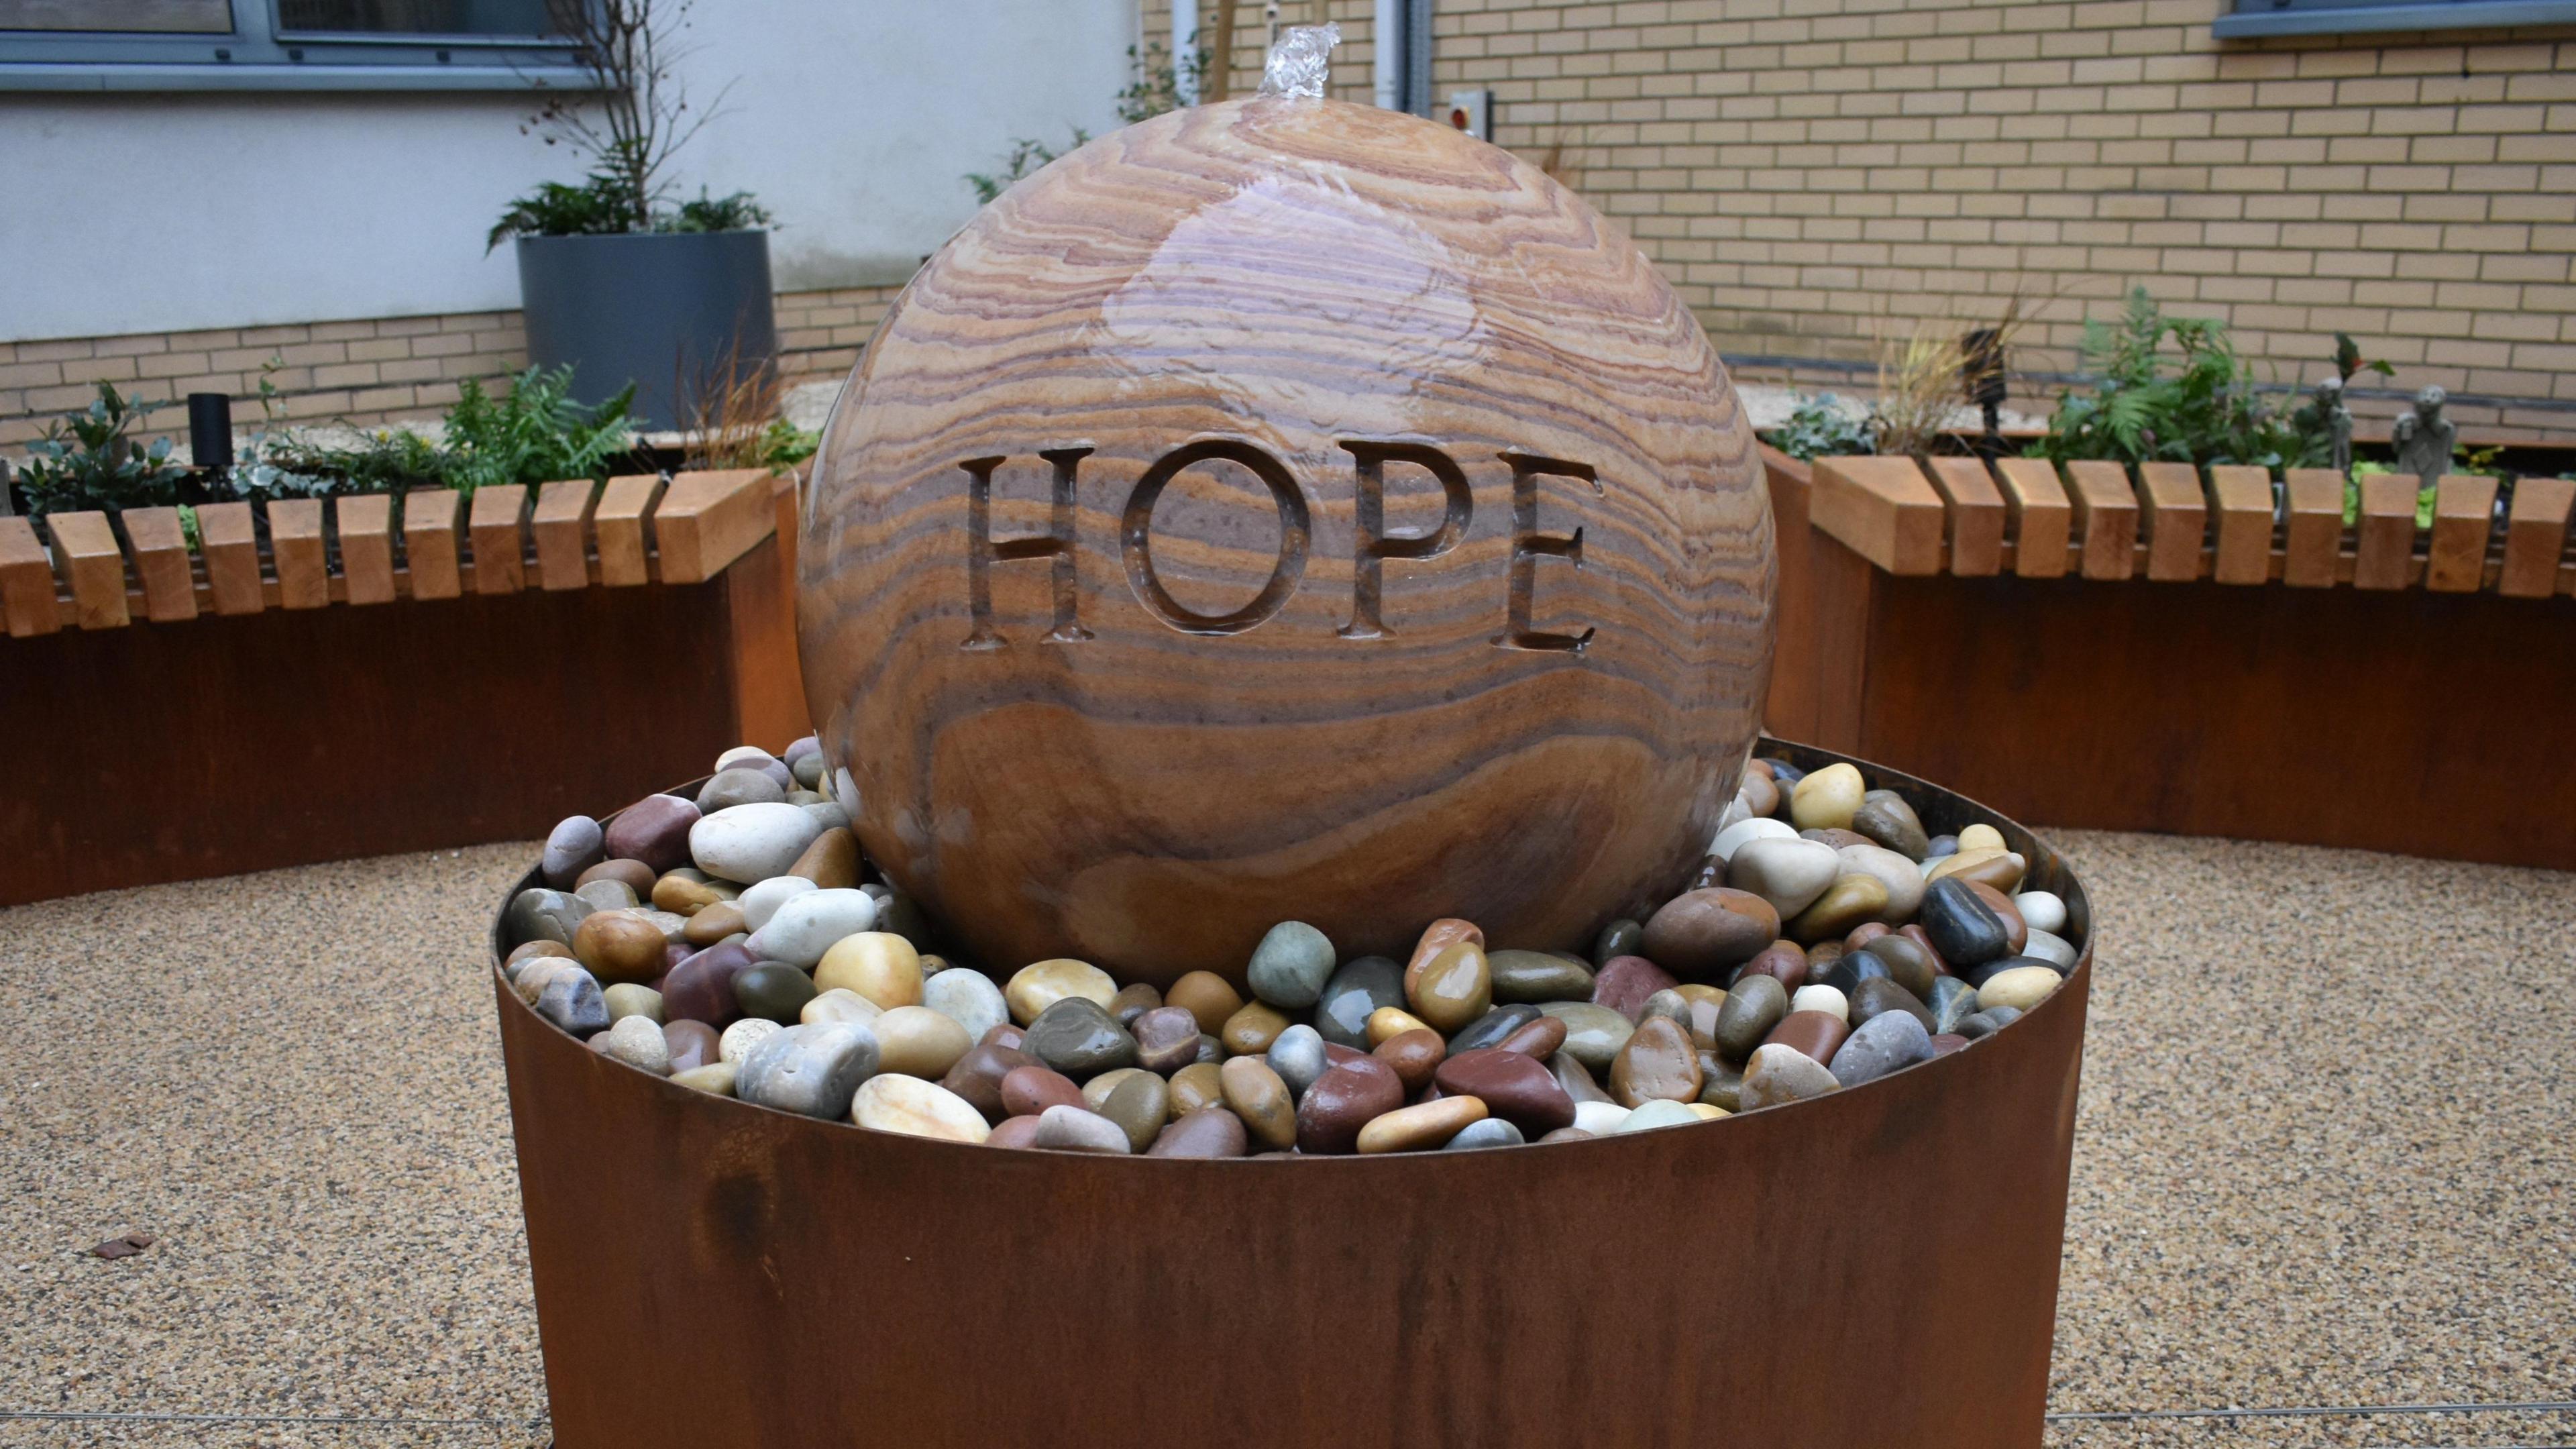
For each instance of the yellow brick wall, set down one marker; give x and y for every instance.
(1816, 174)
(362, 372)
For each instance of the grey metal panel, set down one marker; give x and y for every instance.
(2436, 15)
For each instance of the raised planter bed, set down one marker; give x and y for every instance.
(317, 684)
(2196, 654)
(826, 1284)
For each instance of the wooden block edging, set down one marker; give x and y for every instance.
(1883, 509)
(707, 520)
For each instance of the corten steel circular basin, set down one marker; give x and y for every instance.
(1875, 1268)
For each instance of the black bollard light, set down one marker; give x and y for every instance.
(1982, 370)
(210, 431)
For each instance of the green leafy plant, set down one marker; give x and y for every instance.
(603, 205)
(2197, 404)
(534, 433)
(1824, 427)
(1024, 157)
(628, 122)
(1161, 81)
(737, 212)
(89, 460)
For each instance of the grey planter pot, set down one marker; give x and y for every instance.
(663, 310)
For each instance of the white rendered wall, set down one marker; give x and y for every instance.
(852, 120)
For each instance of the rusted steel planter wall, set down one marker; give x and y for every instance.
(175, 715)
(1877, 1267)
(2175, 653)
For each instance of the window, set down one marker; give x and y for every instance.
(282, 44)
(2343, 17)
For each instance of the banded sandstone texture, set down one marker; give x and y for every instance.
(1286, 509)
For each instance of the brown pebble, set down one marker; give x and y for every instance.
(831, 862)
(1540, 1038)
(620, 946)
(2016, 930)
(1256, 1094)
(1700, 935)
(1864, 933)
(1004, 1034)
(978, 1075)
(686, 895)
(1134, 1000)
(1207, 1132)
(690, 1043)
(1516, 1088)
(1195, 1087)
(1624, 984)
(1014, 1132)
(1342, 1101)
(1658, 1064)
(1567, 1134)
(1439, 936)
(713, 923)
(1420, 1127)
(1850, 900)
(1784, 961)
(1207, 996)
(1167, 1038)
(1923, 938)
(1945, 1043)
(1029, 1090)
(1816, 1034)
(1252, 1028)
(638, 876)
(1415, 1055)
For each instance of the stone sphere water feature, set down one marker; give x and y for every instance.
(1285, 510)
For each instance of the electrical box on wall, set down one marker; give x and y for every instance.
(1473, 113)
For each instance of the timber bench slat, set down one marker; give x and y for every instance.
(2463, 521)
(2315, 529)
(160, 552)
(2041, 517)
(430, 553)
(2241, 498)
(562, 526)
(2535, 536)
(2106, 509)
(295, 546)
(366, 547)
(26, 581)
(2386, 544)
(229, 538)
(498, 529)
(1976, 516)
(1940, 515)
(72, 568)
(707, 520)
(619, 523)
(85, 549)
(2176, 517)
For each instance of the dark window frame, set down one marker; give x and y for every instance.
(257, 54)
(2354, 17)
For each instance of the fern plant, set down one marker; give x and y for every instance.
(2198, 405)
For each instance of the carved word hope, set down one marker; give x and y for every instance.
(1374, 545)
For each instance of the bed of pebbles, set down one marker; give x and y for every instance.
(735, 943)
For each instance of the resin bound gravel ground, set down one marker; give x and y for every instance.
(2324, 1158)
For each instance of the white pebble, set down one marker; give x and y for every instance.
(1599, 1118)
(752, 842)
(637, 1041)
(1723, 847)
(762, 901)
(2051, 948)
(1651, 1115)
(1826, 999)
(968, 998)
(2042, 910)
(806, 924)
(741, 1037)
(839, 1004)
(1071, 1129)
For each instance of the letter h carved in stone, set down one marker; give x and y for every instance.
(983, 550)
